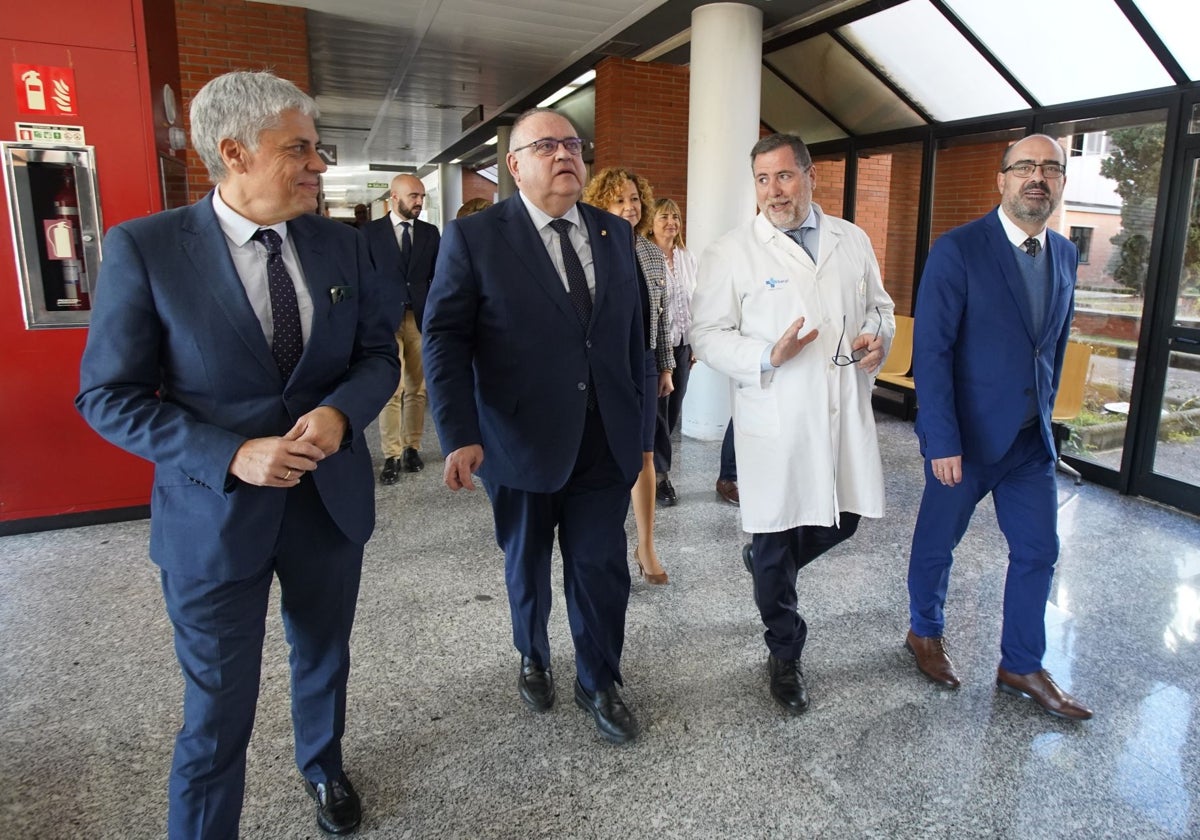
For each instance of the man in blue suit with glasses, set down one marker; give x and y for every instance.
(992, 319)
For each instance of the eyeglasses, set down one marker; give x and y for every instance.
(1025, 168)
(845, 361)
(547, 146)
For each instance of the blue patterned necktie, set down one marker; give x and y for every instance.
(287, 342)
(797, 236)
(1031, 246)
(577, 287)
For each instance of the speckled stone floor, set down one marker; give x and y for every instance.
(439, 745)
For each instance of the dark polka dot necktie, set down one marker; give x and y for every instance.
(1031, 246)
(577, 287)
(287, 342)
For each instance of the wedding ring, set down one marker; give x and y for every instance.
(288, 476)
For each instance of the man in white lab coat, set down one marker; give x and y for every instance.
(792, 308)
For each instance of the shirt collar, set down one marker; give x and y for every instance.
(237, 227)
(397, 219)
(541, 218)
(812, 220)
(1015, 235)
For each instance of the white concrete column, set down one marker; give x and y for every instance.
(450, 186)
(723, 120)
(506, 186)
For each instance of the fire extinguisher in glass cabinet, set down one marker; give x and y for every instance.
(64, 246)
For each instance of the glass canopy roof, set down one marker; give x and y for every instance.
(932, 61)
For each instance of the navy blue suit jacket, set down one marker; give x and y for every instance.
(405, 285)
(178, 371)
(976, 359)
(506, 360)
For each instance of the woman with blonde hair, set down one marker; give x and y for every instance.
(625, 194)
(667, 233)
(472, 206)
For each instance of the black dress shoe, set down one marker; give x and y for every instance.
(535, 685)
(787, 684)
(748, 557)
(391, 471)
(339, 810)
(613, 718)
(666, 493)
(410, 460)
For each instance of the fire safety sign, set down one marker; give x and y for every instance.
(45, 90)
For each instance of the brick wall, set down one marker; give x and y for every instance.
(871, 199)
(475, 185)
(964, 184)
(901, 252)
(216, 36)
(642, 123)
(830, 188)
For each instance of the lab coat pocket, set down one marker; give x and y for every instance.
(756, 412)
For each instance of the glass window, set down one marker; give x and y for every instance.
(964, 178)
(887, 188)
(1067, 50)
(785, 110)
(926, 57)
(1113, 196)
(844, 87)
(1082, 237)
(1176, 22)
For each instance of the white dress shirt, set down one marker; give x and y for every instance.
(578, 236)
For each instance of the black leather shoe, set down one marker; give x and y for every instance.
(787, 684)
(391, 471)
(748, 557)
(666, 494)
(339, 810)
(535, 685)
(410, 460)
(613, 718)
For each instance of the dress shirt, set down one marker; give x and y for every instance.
(1017, 236)
(578, 236)
(396, 221)
(681, 282)
(250, 262)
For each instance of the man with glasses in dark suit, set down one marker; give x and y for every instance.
(534, 355)
(993, 316)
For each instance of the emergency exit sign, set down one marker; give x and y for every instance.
(377, 185)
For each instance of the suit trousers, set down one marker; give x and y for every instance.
(1023, 489)
(778, 557)
(670, 408)
(219, 630)
(402, 421)
(728, 455)
(589, 513)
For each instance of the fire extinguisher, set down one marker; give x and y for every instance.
(64, 244)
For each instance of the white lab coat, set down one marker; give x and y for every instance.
(805, 431)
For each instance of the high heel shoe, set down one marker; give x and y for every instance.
(656, 579)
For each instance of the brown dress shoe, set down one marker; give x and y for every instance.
(1040, 686)
(727, 491)
(932, 659)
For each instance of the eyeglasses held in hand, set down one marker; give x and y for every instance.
(547, 146)
(1025, 168)
(845, 361)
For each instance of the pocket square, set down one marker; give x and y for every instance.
(337, 294)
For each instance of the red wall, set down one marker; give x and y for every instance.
(52, 463)
(642, 123)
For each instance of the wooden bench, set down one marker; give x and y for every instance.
(895, 375)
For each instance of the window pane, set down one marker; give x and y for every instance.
(926, 57)
(964, 178)
(824, 70)
(785, 110)
(1112, 187)
(1067, 50)
(887, 187)
(1176, 22)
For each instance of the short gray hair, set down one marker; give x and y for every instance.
(239, 106)
(777, 141)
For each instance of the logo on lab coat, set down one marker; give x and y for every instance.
(776, 282)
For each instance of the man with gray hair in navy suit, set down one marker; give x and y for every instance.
(241, 345)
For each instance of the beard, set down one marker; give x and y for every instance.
(1037, 211)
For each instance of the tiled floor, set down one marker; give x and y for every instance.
(440, 746)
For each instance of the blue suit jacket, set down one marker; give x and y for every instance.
(507, 361)
(404, 285)
(178, 371)
(976, 360)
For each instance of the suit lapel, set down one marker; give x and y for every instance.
(599, 242)
(518, 230)
(204, 243)
(422, 242)
(319, 276)
(1002, 251)
(1063, 280)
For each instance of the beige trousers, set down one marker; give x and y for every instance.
(403, 417)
